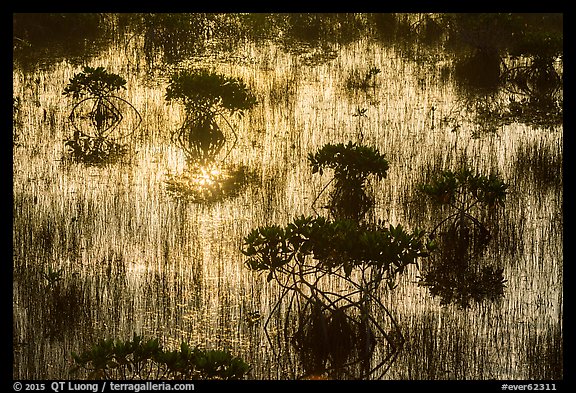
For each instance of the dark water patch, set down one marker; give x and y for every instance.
(480, 72)
(435, 349)
(43, 38)
(539, 165)
(545, 353)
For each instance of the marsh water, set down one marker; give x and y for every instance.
(121, 247)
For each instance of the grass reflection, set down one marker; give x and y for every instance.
(136, 259)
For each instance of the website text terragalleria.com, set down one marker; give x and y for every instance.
(150, 386)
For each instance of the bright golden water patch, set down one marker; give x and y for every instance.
(144, 248)
(208, 183)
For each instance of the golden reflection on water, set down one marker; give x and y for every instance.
(186, 276)
(208, 182)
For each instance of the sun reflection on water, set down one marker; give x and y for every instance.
(208, 182)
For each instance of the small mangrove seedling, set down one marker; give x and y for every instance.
(451, 274)
(53, 276)
(360, 112)
(465, 194)
(352, 164)
(206, 95)
(97, 115)
(144, 359)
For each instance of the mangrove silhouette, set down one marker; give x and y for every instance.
(351, 164)
(453, 273)
(335, 330)
(206, 97)
(96, 117)
(145, 359)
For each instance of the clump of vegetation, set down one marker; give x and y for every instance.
(207, 92)
(94, 82)
(311, 251)
(335, 245)
(464, 192)
(464, 235)
(140, 358)
(352, 164)
(206, 95)
(96, 115)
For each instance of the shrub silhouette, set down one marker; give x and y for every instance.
(310, 252)
(141, 358)
(206, 95)
(96, 115)
(463, 237)
(351, 164)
